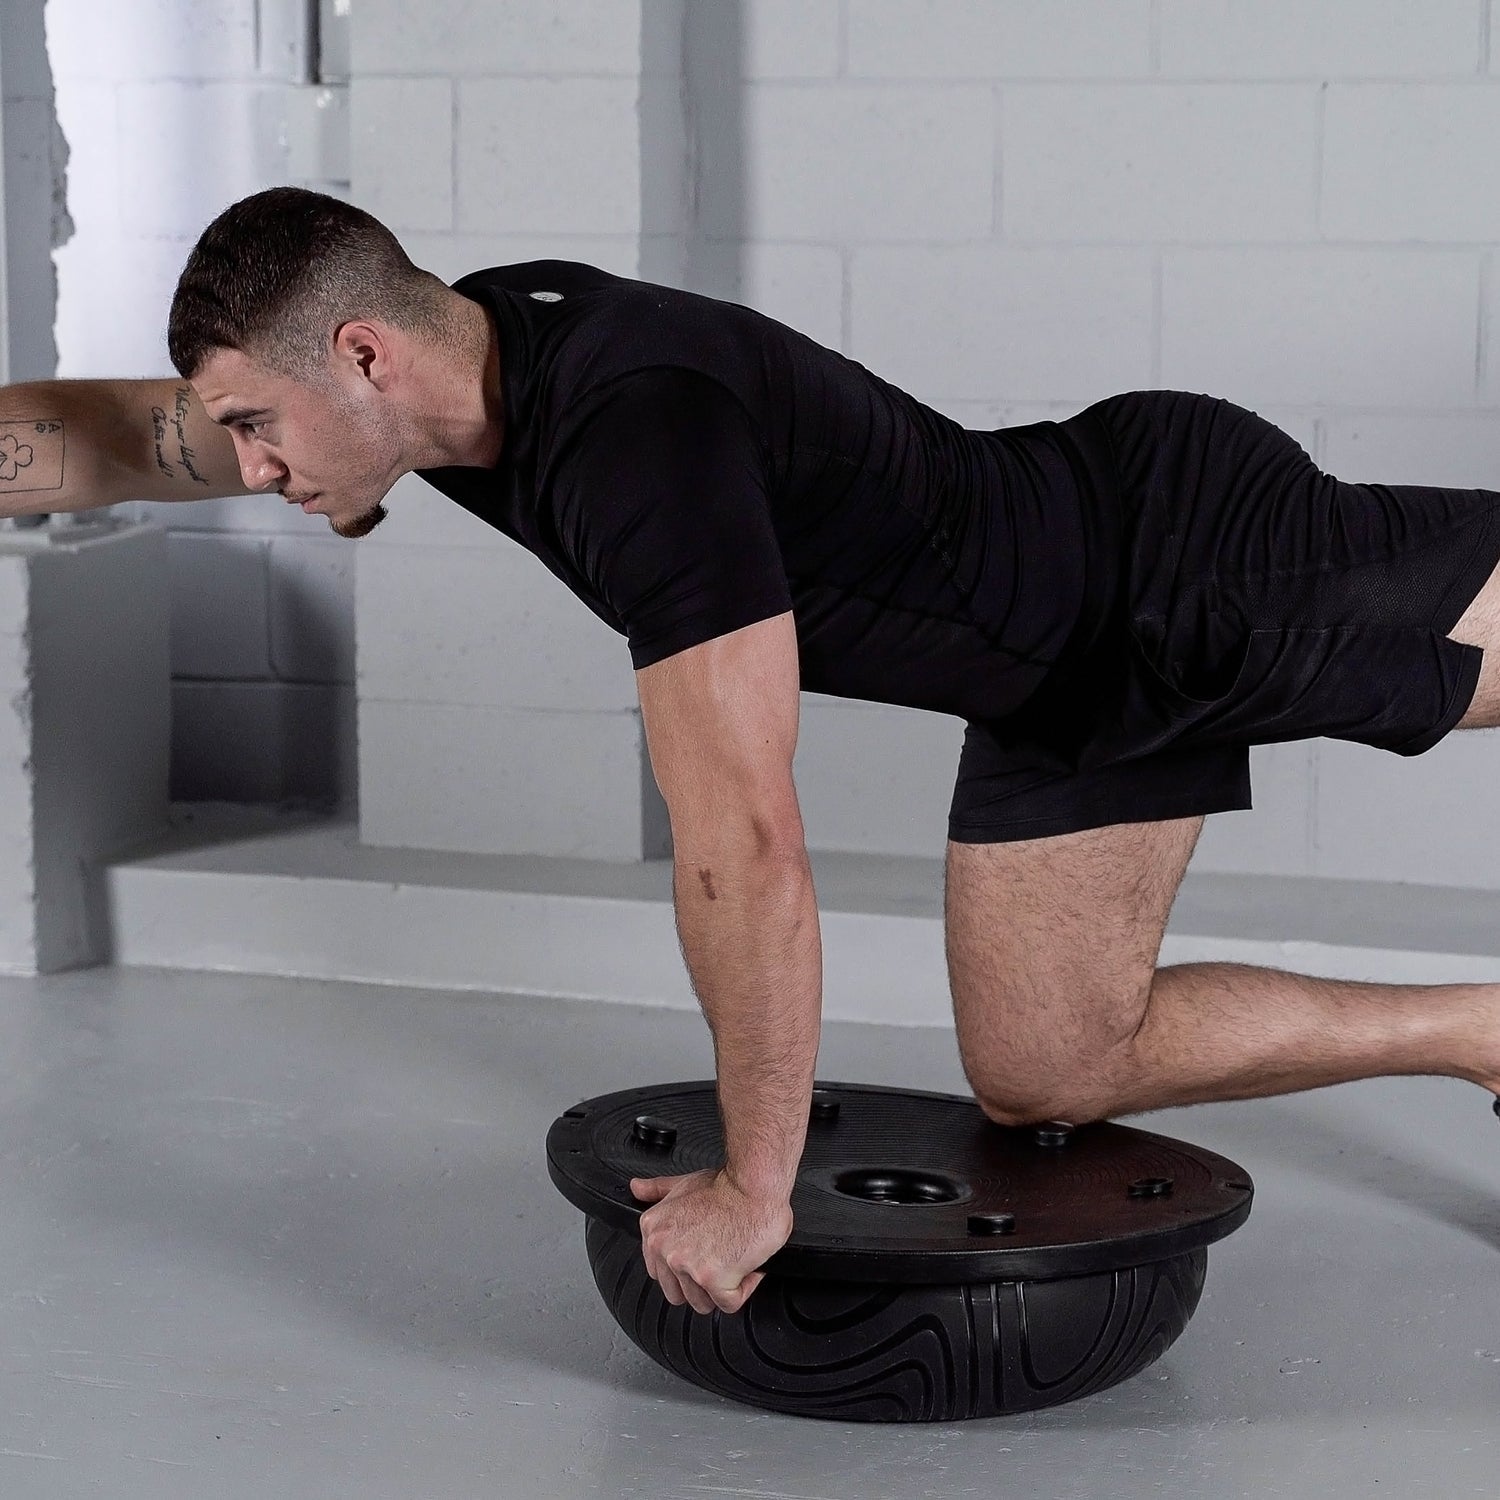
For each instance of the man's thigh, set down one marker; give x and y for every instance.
(1479, 625)
(1052, 944)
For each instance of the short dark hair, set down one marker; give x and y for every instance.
(276, 273)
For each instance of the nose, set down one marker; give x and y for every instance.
(261, 472)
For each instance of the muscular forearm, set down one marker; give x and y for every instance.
(748, 923)
(47, 463)
(68, 445)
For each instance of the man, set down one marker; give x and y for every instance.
(1118, 605)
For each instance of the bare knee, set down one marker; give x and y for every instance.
(1052, 947)
(1032, 1055)
(1014, 1117)
(1089, 1100)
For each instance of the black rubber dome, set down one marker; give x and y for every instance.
(940, 1266)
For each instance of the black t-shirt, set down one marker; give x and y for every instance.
(689, 466)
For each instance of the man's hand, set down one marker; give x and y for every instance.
(705, 1237)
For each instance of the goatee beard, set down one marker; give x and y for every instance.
(361, 525)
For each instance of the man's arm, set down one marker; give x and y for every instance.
(69, 445)
(749, 931)
(721, 726)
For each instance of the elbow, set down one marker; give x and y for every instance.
(730, 817)
(755, 837)
(781, 845)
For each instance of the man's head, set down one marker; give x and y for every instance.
(329, 357)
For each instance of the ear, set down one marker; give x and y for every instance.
(366, 345)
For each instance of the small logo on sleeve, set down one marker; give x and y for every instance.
(548, 296)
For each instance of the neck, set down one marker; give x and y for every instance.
(470, 389)
(492, 393)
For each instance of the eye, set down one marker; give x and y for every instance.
(251, 427)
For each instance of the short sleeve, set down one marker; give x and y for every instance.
(661, 502)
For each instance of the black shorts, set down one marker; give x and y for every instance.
(1238, 596)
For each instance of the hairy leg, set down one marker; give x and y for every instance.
(1237, 1031)
(1051, 945)
(1479, 625)
(1062, 1013)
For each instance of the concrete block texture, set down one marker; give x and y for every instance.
(1390, 327)
(800, 285)
(665, 206)
(311, 609)
(171, 110)
(872, 777)
(660, 39)
(1208, 162)
(1321, 38)
(263, 653)
(860, 163)
(507, 781)
(480, 37)
(541, 155)
(35, 220)
(152, 39)
(1489, 330)
(987, 322)
(99, 331)
(263, 742)
(453, 255)
(1454, 451)
(785, 39)
(220, 606)
(26, 73)
(1275, 836)
(1008, 207)
(194, 148)
(100, 714)
(305, 134)
(1425, 818)
(999, 38)
(401, 146)
(88, 117)
(83, 734)
(264, 515)
(487, 628)
(18, 883)
(1404, 162)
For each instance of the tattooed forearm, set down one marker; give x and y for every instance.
(31, 454)
(159, 429)
(178, 420)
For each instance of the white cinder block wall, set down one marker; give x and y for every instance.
(1011, 208)
(172, 109)
(496, 713)
(33, 157)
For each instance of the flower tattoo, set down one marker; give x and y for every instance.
(14, 456)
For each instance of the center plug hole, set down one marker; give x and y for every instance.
(897, 1185)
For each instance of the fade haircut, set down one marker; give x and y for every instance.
(278, 272)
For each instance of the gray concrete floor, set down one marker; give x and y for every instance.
(297, 1239)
